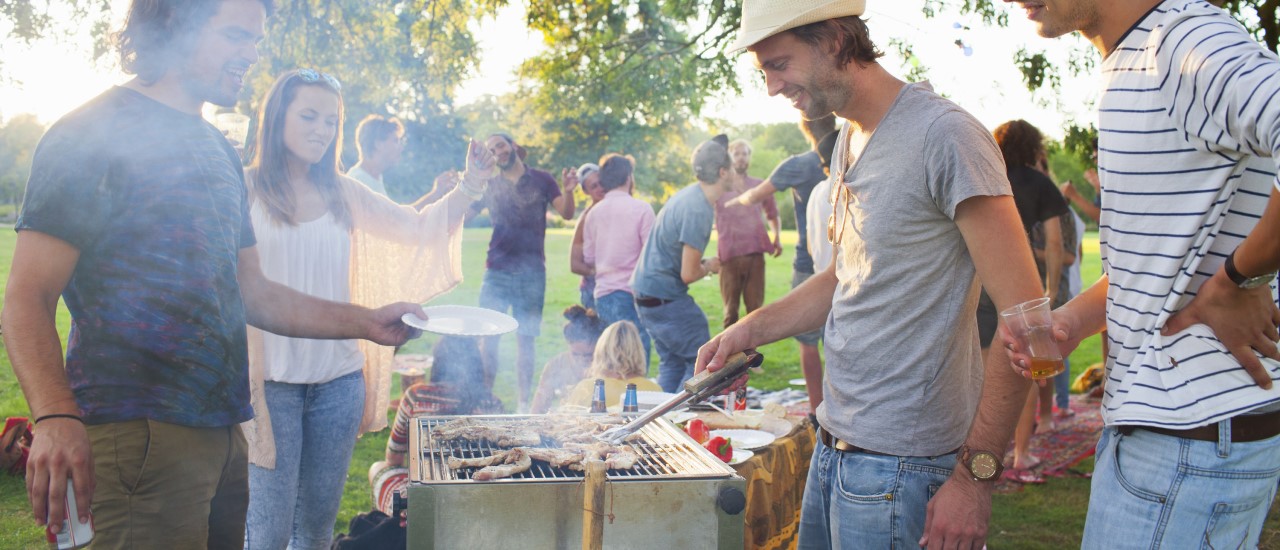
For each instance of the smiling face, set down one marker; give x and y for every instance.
(311, 123)
(591, 186)
(222, 52)
(804, 74)
(1054, 18)
(502, 151)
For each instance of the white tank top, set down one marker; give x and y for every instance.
(313, 258)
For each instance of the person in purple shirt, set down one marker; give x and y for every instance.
(515, 276)
(136, 214)
(613, 237)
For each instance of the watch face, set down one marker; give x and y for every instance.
(1255, 282)
(983, 465)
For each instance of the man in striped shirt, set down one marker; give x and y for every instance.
(1189, 139)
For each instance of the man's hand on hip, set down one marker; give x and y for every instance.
(1243, 320)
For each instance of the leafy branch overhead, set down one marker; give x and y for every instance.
(1258, 16)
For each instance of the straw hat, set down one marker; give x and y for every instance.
(764, 18)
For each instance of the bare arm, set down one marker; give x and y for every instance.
(443, 184)
(962, 508)
(776, 223)
(42, 266)
(565, 204)
(755, 194)
(693, 268)
(1052, 256)
(1082, 204)
(577, 260)
(276, 308)
(1244, 320)
(803, 309)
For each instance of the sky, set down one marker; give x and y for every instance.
(52, 77)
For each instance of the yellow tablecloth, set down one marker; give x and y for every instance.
(775, 486)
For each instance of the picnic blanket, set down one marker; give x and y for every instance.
(1072, 440)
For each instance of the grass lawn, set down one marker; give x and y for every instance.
(1045, 516)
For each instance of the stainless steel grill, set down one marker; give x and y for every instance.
(665, 453)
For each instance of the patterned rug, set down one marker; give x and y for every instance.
(1072, 440)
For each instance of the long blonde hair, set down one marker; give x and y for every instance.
(619, 353)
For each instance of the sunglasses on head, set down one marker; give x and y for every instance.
(311, 76)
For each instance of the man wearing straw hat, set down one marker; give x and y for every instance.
(922, 210)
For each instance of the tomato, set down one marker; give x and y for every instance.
(721, 447)
(698, 430)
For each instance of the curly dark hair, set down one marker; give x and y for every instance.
(157, 30)
(1021, 143)
(583, 326)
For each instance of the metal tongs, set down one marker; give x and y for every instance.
(697, 389)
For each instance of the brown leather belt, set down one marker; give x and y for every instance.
(842, 446)
(649, 301)
(1244, 428)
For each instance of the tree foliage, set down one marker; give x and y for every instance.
(1258, 16)
(26, 21)
(626, 76)
(18, 139)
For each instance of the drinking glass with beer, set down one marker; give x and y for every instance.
(1031, 323)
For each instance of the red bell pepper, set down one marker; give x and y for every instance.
(721, 447)
(698, 430)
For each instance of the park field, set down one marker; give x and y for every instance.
(1048, 516)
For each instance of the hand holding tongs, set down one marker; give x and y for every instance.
(696, 389)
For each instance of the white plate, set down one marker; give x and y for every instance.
(745, 439)
(680, 417)
(462, 321)
(649, 399)
(796, 381)
(740, 456)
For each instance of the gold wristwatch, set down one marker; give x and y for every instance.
(982, 465)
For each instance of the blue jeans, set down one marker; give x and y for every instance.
(678, 329)
(315, 428)
(1062, 386)
(620, 305)
(863, 500)
(522, 291)
(1151, 490)
(587, 293)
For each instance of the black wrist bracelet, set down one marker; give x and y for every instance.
(75, 417)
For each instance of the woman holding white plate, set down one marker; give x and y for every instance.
(325, 234)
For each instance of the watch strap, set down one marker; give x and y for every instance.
(1232, 273)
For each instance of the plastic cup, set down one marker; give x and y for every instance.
(234, 125)
(1032, 324)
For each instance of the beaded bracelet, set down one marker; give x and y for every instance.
(75, 417)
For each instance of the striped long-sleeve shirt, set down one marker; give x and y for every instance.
(1189, 136)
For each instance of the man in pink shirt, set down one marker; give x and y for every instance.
(613, 235)
(743, 241)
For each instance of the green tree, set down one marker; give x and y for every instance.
(18, 139)
(627, 76)
(25, 21)
(1258, 16)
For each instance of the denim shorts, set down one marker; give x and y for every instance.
(1151, 490)
(864, 500)
(521, 292)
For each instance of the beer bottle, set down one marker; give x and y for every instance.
(630, 403)
(597, 397)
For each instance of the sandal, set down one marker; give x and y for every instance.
(15, 445)
(1026, 477)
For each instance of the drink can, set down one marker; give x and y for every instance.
(73, 533)
(740, 403)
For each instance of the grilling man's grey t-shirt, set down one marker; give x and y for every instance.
(904, 369)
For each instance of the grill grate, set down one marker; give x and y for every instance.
(665, 453)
